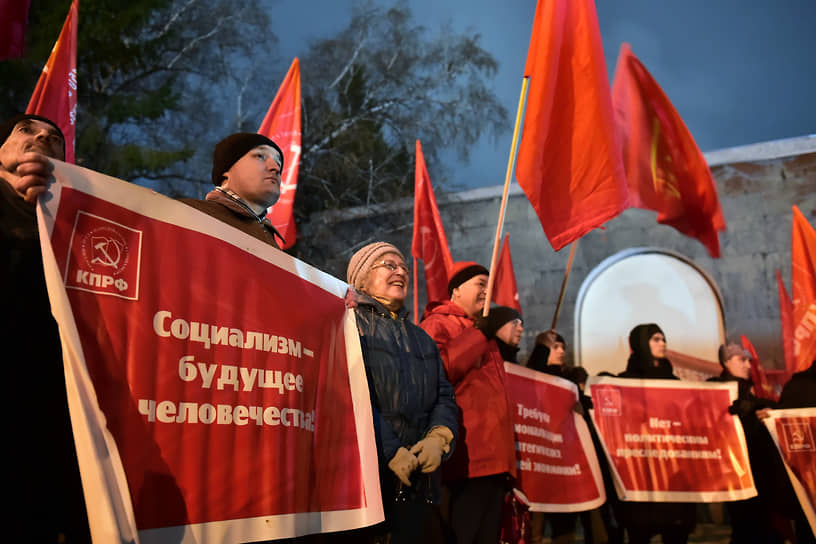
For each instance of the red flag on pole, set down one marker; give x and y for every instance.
(665, 170)
(505, 287)
(282, 125)
(803, 273)
(55, 95)
(13, 27)
(762, 386)
(429, 243)
(786, 317)
(568, 161)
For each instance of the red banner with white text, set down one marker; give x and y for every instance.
(671, 440)
(794, 432)
(557, 467)
(216, 387)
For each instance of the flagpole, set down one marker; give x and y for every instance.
(416, 295)
(564, 285)
(510, 164)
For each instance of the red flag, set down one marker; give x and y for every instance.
(12, 28)
(568, 162)
(505, 288)
(786, 317)
(55, 95)
(762, 386)
(429, 243)
(282, 125)
(803, 272)
(665, 170)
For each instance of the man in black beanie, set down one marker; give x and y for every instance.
(247, 177)
(43, 476)
(476, 477)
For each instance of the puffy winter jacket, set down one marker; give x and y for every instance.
(410, 393)
(476, 370)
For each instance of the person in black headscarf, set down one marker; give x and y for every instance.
(648, 357)
(548, 354)
(673, 521)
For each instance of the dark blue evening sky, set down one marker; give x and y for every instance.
(737, 71)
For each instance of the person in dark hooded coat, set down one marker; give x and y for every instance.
(751, 519)
(673, 521)
(548, 354)
(800, 391)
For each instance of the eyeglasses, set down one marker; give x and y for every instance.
(391, 265)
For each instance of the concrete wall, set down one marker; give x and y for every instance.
(757, 186)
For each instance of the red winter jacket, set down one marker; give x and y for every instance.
(475, 368)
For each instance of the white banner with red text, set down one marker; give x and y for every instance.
(671, 440)
(794, 432)
(558, 470)
(216, 386)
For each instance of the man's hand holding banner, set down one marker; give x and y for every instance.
(557, 467)
(794, 432)
(671, 440)
(216, 385)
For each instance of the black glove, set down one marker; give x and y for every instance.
(489, 325)
(741, 407)
(586, 401)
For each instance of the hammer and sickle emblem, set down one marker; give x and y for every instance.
(106, 252)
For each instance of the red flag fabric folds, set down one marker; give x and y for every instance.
(762, 386)
(505, 287)
(665, 170)
(803, 273)
(55, 95)
(12, 28)
(429, 243)
(568, 161)
(786, 317)
(282, 125)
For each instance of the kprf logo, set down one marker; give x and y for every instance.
(609, 401)
(798, 436)
(104, 257)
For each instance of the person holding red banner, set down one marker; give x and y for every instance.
(415, 414)
(549, 351)
(28, 141)
(751, 519)
(673, 521)
(548, 357)
(476, 477)
(43, 481)
(246, 173)
(799, 392)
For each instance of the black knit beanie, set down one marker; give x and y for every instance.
(500, 315)
(462, 272)
(229, 150)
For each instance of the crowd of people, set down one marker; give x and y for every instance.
(441, 414)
